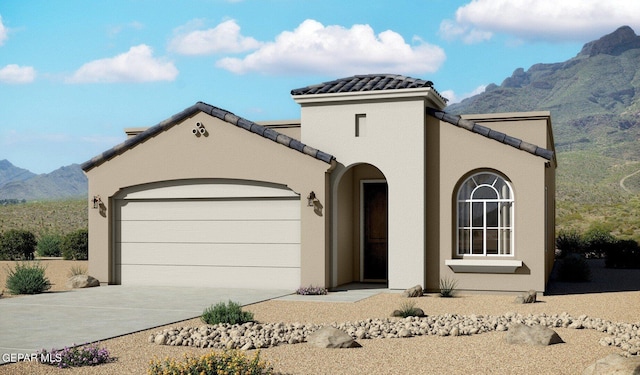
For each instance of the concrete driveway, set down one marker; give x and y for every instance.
(58, 319)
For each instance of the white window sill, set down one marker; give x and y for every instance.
(483, 265)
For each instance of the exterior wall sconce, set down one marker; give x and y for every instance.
(97, 201)
(311, 199)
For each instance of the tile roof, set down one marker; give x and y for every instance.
(489, 133)
(367, 82)
(215, 112)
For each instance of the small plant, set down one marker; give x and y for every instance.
(27, 278)
(90, 355)
(75, 245)
(448, 287)
(230, 313)
(226, 362)
(77, 270)
(312, 290)
(408, 309)
(49, 245)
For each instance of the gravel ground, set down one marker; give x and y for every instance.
(478, 354)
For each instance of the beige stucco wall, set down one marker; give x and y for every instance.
(227, 152)
(393, 142)
(462, 152)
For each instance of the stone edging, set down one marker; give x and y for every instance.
(253, 335)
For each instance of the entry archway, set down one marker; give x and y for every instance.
(360, 230)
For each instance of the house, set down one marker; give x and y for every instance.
(376, 182)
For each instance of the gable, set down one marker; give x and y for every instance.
(219, 113)
(492, 134)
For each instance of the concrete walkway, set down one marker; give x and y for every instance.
(58, 319)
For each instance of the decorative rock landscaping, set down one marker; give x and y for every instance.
(253, 335)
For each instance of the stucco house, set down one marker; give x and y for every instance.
(376, 182)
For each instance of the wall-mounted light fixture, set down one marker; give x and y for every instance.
(97, 201)
(311, 199)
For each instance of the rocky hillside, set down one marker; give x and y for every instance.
(18, 183)
(594, 100)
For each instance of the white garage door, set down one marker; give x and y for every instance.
(219, 235)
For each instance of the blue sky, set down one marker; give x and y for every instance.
(75, 73)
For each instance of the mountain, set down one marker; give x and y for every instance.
(65, 182)
(9, 172)
(594, 100)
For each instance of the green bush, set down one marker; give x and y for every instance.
(17, 244)
(408, 309)
(598, 239)
(232, 362)
(75, 245)
(230, 313)
(569, 241)
(574, 267)
(49, 245)
(624, 254)
(27, 278)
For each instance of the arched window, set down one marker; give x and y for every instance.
(485, 216)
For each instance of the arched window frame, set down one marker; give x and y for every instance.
(485, 214)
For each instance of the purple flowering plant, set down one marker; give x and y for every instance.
(311, 290)
(75, 356)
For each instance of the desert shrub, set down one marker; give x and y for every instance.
(232, 362)
(574, 267)
(623, 254)
(75, 245)
(77, 270)
(597, 240)
(17, 244)
(312, 290)
(230, 313)
(90, 355)
(408, 309)
(448, 287)
(49, 245)
(27, 278)
(569, 241)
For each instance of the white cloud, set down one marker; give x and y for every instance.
(313, 48)
(551, 20)
(453, 98)
(3, 32)
(113, 31)
(225, 37)
(135, 65)
(13, 73)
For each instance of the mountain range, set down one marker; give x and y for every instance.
(64, 182)
(594, 100)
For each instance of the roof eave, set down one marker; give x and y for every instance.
(427, 93)
(503, 138)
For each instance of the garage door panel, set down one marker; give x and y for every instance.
(254, 209)
(211, 231)
(237, 238)
(234, 255)
(221, 277)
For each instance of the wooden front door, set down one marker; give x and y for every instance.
(374, 231)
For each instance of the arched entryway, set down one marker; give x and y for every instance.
(360, 225)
